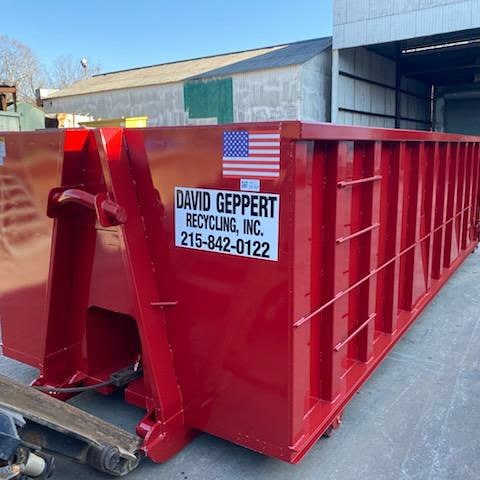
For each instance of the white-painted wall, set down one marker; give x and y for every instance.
(163, 105)
(266, 95)
(315, 88)
(300, 92)
(366, 22)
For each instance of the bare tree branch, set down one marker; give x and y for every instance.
(65, 71)
(19, 66)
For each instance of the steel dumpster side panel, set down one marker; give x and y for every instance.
(366, 241)
(31, 167)
(390, 221)
(263, 352)
(229, 331)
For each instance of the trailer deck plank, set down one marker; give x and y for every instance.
(63, 417)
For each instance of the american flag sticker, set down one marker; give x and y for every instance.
(251, 154)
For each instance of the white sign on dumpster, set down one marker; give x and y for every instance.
(229, 222)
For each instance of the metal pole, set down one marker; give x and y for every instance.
(398, 86)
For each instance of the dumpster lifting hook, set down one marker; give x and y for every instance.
(108, 212)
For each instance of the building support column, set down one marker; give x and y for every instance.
(398, 87)
(335, 85)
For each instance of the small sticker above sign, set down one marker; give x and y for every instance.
(230, 222)
(249, 185)
(3, 150)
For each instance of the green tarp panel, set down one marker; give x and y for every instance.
(209, 98)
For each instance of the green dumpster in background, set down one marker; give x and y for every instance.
(9, 122)
(29, 117)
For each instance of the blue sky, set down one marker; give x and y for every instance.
(123, 34)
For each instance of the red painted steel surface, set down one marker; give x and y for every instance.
(265, 353)
(30, 171)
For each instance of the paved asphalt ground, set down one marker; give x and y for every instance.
(417, 418)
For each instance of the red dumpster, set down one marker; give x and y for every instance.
(258, 273)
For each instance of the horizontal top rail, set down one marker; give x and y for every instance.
(329, 131)
(296, 130)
